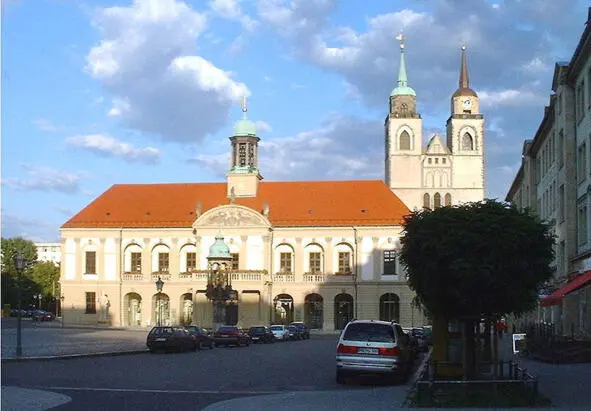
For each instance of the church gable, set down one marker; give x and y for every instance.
(436, 146)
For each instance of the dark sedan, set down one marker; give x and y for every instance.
(170, 339)
(202, 337)
(231, 335)
(261, 334)
(303, 328)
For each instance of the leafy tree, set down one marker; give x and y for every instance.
(11, 246)
(476, 260)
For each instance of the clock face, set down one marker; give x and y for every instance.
(467, 103)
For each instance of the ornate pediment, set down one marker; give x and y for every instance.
(231, 216)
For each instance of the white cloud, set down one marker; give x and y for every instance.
(146, 60)
(46, 179)
(263, 126)
(108, 146)
(32, 229)
(231, 10)
(511, 98)
(45, 125)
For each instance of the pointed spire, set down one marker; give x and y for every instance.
(402, 87)
(464, 80)
(402, 80)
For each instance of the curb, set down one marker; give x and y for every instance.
(74, 356)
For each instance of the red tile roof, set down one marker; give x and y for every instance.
(291, 204)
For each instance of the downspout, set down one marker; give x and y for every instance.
(355, 315)
(271, 279)
(121, 261)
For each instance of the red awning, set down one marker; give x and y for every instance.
(576, 283)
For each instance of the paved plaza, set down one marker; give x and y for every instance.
(296, 375)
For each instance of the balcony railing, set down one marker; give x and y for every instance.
(284, 277)
(164, 275)
(132, 276)
(314, 277)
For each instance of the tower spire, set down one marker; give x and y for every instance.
(402, 87)
(402, 79)
(464, 80)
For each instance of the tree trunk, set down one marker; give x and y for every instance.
(439, 338)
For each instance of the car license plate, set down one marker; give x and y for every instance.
(363, 350)
(224, 335)
(160, 339)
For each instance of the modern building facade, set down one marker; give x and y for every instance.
(554, 180)
(49, 252)
(322, 252)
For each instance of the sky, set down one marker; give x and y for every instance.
(103, 92)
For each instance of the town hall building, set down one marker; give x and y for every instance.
(322, 252)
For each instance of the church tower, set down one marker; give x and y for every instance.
(403, 138)
(465, 140)
(243, 178)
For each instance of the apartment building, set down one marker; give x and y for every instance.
(554, 180)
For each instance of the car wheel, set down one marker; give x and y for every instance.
(340, 377)
(211, 345)
(247, 343)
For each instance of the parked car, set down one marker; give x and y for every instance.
(280, 332)
(169, 339)
(261, 334)
(294, 332)
(42, 315)
(201, 336)
(303, 328)
(373, 347)
(231, 335)
(419, 335)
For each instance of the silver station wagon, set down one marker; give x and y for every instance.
(373, 347)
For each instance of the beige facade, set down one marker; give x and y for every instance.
(554, 180)
(438, 173)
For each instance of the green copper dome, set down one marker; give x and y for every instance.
(219, 249)
(245, 127)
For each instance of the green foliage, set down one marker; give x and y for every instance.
(36, 278)
(477, 259)
(10, 246)
(46, 275)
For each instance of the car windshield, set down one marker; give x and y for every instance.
(258, 329)
(369, 332)
(194, 329)
(227, 329)
(161, 331)
(277, 328)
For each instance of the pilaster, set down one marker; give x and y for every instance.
(243, 260)
(174, 259)
(147, 260)
(328, 256)
(298, 263)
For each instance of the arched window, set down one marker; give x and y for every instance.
(448, 199)
(404, 140)
(467, 142)
(437, 200)
(426, 200)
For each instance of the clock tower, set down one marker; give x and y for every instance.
(465, 139)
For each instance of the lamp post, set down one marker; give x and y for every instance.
(20, 262)
(159, 285)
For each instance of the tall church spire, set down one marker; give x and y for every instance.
(464, 83)
(402, 88)
(464, 80)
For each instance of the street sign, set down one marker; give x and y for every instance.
(519, 343)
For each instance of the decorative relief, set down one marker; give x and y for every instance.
(232, 216)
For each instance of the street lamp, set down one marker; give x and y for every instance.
(20, 262)
(159, 285)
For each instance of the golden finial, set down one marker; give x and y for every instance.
(244, 108)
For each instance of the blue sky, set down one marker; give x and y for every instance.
(96, 93)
